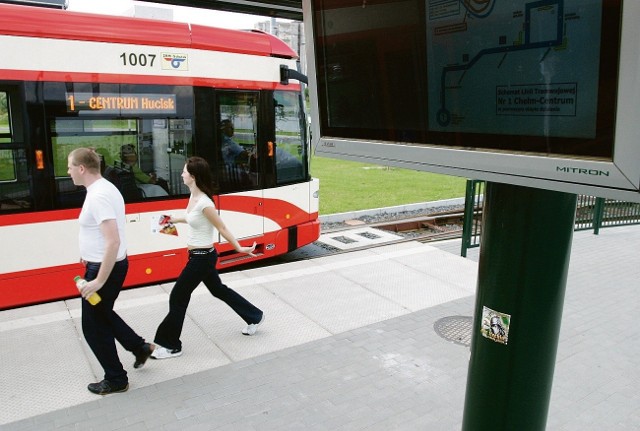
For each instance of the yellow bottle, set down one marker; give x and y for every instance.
(94, 298)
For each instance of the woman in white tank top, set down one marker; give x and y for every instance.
(203, 219)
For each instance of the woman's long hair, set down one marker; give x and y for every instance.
(201, 172)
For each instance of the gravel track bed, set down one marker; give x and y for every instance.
(384, 217)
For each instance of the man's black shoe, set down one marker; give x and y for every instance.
(105, 387)
(143, 354)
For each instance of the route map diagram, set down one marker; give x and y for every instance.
(514, 67)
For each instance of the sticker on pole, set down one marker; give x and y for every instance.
(495, 325)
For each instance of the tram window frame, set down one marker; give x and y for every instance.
(289, 157)
(243, 173)
(15, 187)
(14, 117)
(5, 137)
(143, 153)
(7, 169)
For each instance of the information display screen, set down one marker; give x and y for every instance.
(529, 77)
(533, 64)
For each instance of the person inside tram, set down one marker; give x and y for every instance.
(238, 162)
(149, 183)
(232, 152)
(285, 159)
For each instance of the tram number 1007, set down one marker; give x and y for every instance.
(133, 59)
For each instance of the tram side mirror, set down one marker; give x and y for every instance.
(286, 74)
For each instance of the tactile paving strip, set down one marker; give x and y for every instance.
(355, 238)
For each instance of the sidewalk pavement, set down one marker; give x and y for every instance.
(349, 343)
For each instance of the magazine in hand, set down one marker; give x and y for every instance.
(162, 224)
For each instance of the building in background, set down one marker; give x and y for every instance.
(153, 12)
(55, 4)
(291, 32)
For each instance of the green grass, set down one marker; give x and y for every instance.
(351, 186)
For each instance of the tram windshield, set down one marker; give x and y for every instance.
(290, 139)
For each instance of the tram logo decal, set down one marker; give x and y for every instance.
(172, 61)
(495, 325)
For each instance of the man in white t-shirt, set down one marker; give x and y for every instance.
(103, 251)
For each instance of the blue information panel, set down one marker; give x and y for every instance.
(513, 67)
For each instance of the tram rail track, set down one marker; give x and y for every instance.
(436, 226)
(442, 223)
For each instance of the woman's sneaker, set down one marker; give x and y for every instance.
(253, 327)
(163, 353)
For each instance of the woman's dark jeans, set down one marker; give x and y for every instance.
(201, 267)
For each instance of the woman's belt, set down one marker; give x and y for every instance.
(201, 251)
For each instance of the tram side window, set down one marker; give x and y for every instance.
(237, 167)
(142, 132)
(14, 184)
(290, 149)
(142, 157)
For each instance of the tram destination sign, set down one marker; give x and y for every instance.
(538, 93)
(121, 103)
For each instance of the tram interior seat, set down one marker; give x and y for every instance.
(69, 195)
(124, 180)
(290, 173)
(14, 201)
(235, 176)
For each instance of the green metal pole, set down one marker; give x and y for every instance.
(467, 223)
(598, 215)
(524, 259)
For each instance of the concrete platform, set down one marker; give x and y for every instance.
(348, 343)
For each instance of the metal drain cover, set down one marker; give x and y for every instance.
(343, 239)
(369, 235)
(455, 328)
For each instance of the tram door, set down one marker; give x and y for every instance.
(237, 167)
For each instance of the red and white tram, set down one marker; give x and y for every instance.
(147, 95)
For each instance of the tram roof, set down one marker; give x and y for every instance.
(289, 9)
(45, 22)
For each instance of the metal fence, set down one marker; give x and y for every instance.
(595, 213)
(471, 228)
(591, 213)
